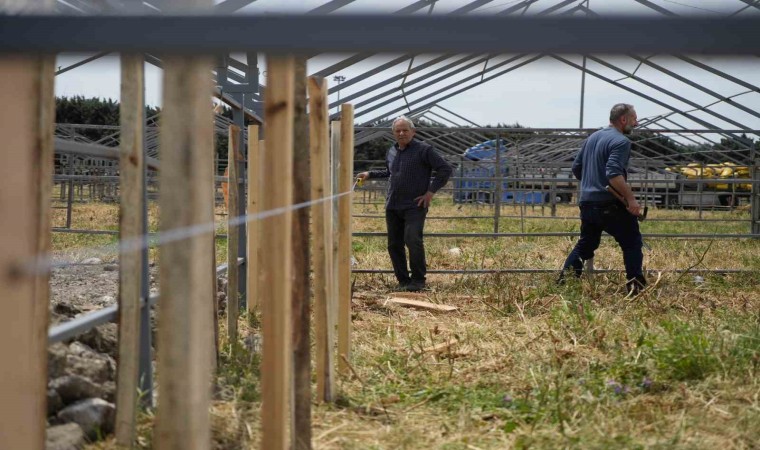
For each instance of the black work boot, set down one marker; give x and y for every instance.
(402, 285)
(416, 286)
(636, 285)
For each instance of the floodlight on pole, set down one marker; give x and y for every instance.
(338, 79)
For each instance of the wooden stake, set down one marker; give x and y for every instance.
(301, 292)
(233, 159)
(185, 327)
(214, 298)
(254, 207)
(26, 128)
(277, 273)
(333, 275)
(346, 178)
(322, 242)
(131, 168)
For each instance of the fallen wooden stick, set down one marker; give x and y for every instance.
(438, 348)
(409, 294)
(417, 304)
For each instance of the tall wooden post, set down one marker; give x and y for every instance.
(253, 207)
(322, 242)
(277, 273)
(185, 331)
(233, 303)
(333, 274)
(301, 299)
(131, 167)
(346, 178)
(26, 175)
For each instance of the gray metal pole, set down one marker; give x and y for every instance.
(70, 199)
(498, 176)
(520, 187)
(755, 202)
(583, 90)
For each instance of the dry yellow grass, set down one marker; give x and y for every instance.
(532, 365)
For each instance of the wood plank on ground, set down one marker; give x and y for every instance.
(419, 304)
(442, 347)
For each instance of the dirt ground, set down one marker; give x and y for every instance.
(85, 287)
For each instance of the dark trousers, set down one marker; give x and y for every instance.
(405, 229)
(617, 222)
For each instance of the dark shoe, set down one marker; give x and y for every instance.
(415, 286)
(402, 285)
(636, 285)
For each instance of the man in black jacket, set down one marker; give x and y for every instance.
(409, 165)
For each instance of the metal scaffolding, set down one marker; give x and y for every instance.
(720, 122)
(444, 49)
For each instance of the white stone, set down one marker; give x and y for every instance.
(456, 251)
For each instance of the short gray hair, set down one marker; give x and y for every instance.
(402, 119)
(620, 110)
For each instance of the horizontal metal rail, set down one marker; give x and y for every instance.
(110, 232)
(304, 34)
(86, 322)
(632, 181)
(488, 271)
(651, 219)
(567, 234)
(558, 130)
(75, 231)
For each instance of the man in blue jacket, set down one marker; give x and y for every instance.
(603, 161)
(409, 165)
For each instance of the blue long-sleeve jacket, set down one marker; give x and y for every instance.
(604, 155)
(409, 171)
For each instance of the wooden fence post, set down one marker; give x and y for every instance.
(233, 303)
(254, 207)
(301, 289)
(277, 273)
(131, 167)
(346, 178)
(334, 272)
(185, 331)
(26, 175)
(322, 241)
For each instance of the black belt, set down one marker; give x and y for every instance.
(602, 204)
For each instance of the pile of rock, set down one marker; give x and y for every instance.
(81, 389)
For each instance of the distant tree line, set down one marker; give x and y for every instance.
(97, 111)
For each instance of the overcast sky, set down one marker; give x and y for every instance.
(545, 93)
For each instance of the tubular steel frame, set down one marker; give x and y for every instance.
(567, 26)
